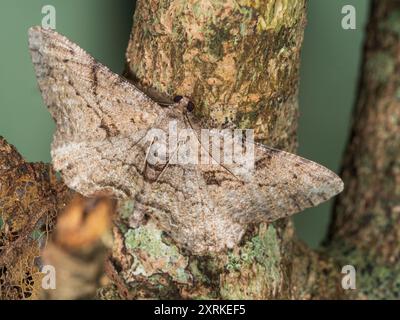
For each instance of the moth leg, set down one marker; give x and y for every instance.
(168, 162)
(187, 121)
(147, 155)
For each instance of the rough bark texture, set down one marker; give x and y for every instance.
(238, 61)
(365, 229)
(30, 198)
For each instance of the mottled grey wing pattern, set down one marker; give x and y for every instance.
(209, 208)
(101, 118)
(101, 143)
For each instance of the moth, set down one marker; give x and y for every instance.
(102, 143)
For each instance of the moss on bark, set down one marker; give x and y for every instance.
(238, 61)
(365, 230)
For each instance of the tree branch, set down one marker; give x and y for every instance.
(364, 231)
(239, 63)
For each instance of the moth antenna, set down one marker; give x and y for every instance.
(201, 146)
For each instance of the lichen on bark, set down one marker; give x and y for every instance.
(364, 231)
(238, 61)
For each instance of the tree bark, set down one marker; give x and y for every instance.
(364, 231)
(239, 63)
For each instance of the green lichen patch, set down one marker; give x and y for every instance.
(374, 279)
(258, 264)
(152, 255)
(392, 23)
(263, 249)
(382, 65)
(276, 14)
(109, 292)
(37, 234)
(125, 208)
(398, 94)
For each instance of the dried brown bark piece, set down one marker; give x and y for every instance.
(30, 197)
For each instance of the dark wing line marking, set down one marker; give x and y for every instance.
(198, 139)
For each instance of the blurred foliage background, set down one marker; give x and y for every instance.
(330, 66)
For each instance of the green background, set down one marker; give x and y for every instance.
(330, 65)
